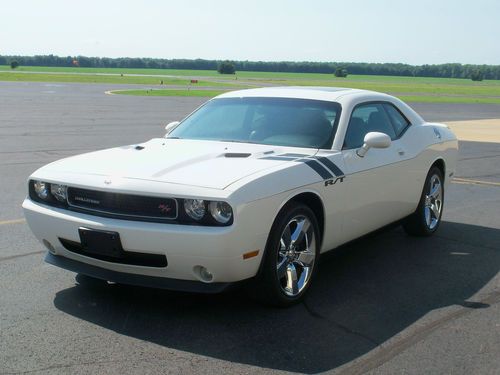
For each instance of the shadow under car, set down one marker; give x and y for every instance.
(363, 295)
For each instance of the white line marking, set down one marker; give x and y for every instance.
(457, 180)
(15, 221)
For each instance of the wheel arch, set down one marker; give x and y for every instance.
(441, 165)
(311, 199)
(315, 203)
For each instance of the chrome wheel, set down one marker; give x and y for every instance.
(296, 255)
(433, 202)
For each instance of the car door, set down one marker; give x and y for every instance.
(377, 180)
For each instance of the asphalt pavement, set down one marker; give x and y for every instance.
(387, 304)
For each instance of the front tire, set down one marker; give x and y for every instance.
(290, 258)
(426, 219)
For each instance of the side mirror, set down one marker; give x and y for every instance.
(375, 140)
(171, 126)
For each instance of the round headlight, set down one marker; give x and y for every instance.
(221, 211)
(59, 191)
(195, 208)
(41, 189)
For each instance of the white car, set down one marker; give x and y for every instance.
(254, 185)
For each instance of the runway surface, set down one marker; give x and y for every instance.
(386, 304)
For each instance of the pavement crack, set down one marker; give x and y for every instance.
(50, 151)
(387, 352)
(21, 163)
(60, 366)
(338, 325)
(21, 255)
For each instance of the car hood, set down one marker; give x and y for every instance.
(211, 164)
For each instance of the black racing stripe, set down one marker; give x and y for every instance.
(276, 158)
(331, 166)
(313, 164)
(322, 171)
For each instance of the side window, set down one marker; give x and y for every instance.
(367, 118)
(399, 122)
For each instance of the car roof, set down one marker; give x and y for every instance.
(299, 92)
(345, 96)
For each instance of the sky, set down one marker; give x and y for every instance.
(414, 32)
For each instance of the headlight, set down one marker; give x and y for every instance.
(41, 189)
(59, 192)
(51, 194)
(195, 208)
(221, 211)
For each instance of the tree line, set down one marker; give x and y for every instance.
(451, 70)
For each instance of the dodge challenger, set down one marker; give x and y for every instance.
(252, 186)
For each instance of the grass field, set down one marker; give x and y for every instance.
(104, 78)
(169, 92)
(416, 89)
(174, 72)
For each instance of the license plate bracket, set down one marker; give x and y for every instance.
(101, 242)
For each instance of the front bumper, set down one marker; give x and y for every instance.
(134, 279)
(187, 247)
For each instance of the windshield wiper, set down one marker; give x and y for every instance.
(174, 138)
(236, 141)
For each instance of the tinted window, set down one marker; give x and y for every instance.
(274, 121)
(364, 119)
(399, 122)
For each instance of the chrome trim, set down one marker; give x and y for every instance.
(433, 202)
(296, 255)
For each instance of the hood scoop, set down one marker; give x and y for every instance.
(237, 155)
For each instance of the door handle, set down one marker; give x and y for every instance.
(401, 152)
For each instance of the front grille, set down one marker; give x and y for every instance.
(128, 257)
(122, 205)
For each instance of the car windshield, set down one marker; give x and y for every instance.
(272, 121)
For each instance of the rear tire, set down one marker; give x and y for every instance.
(427, 217)
(290, 258)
